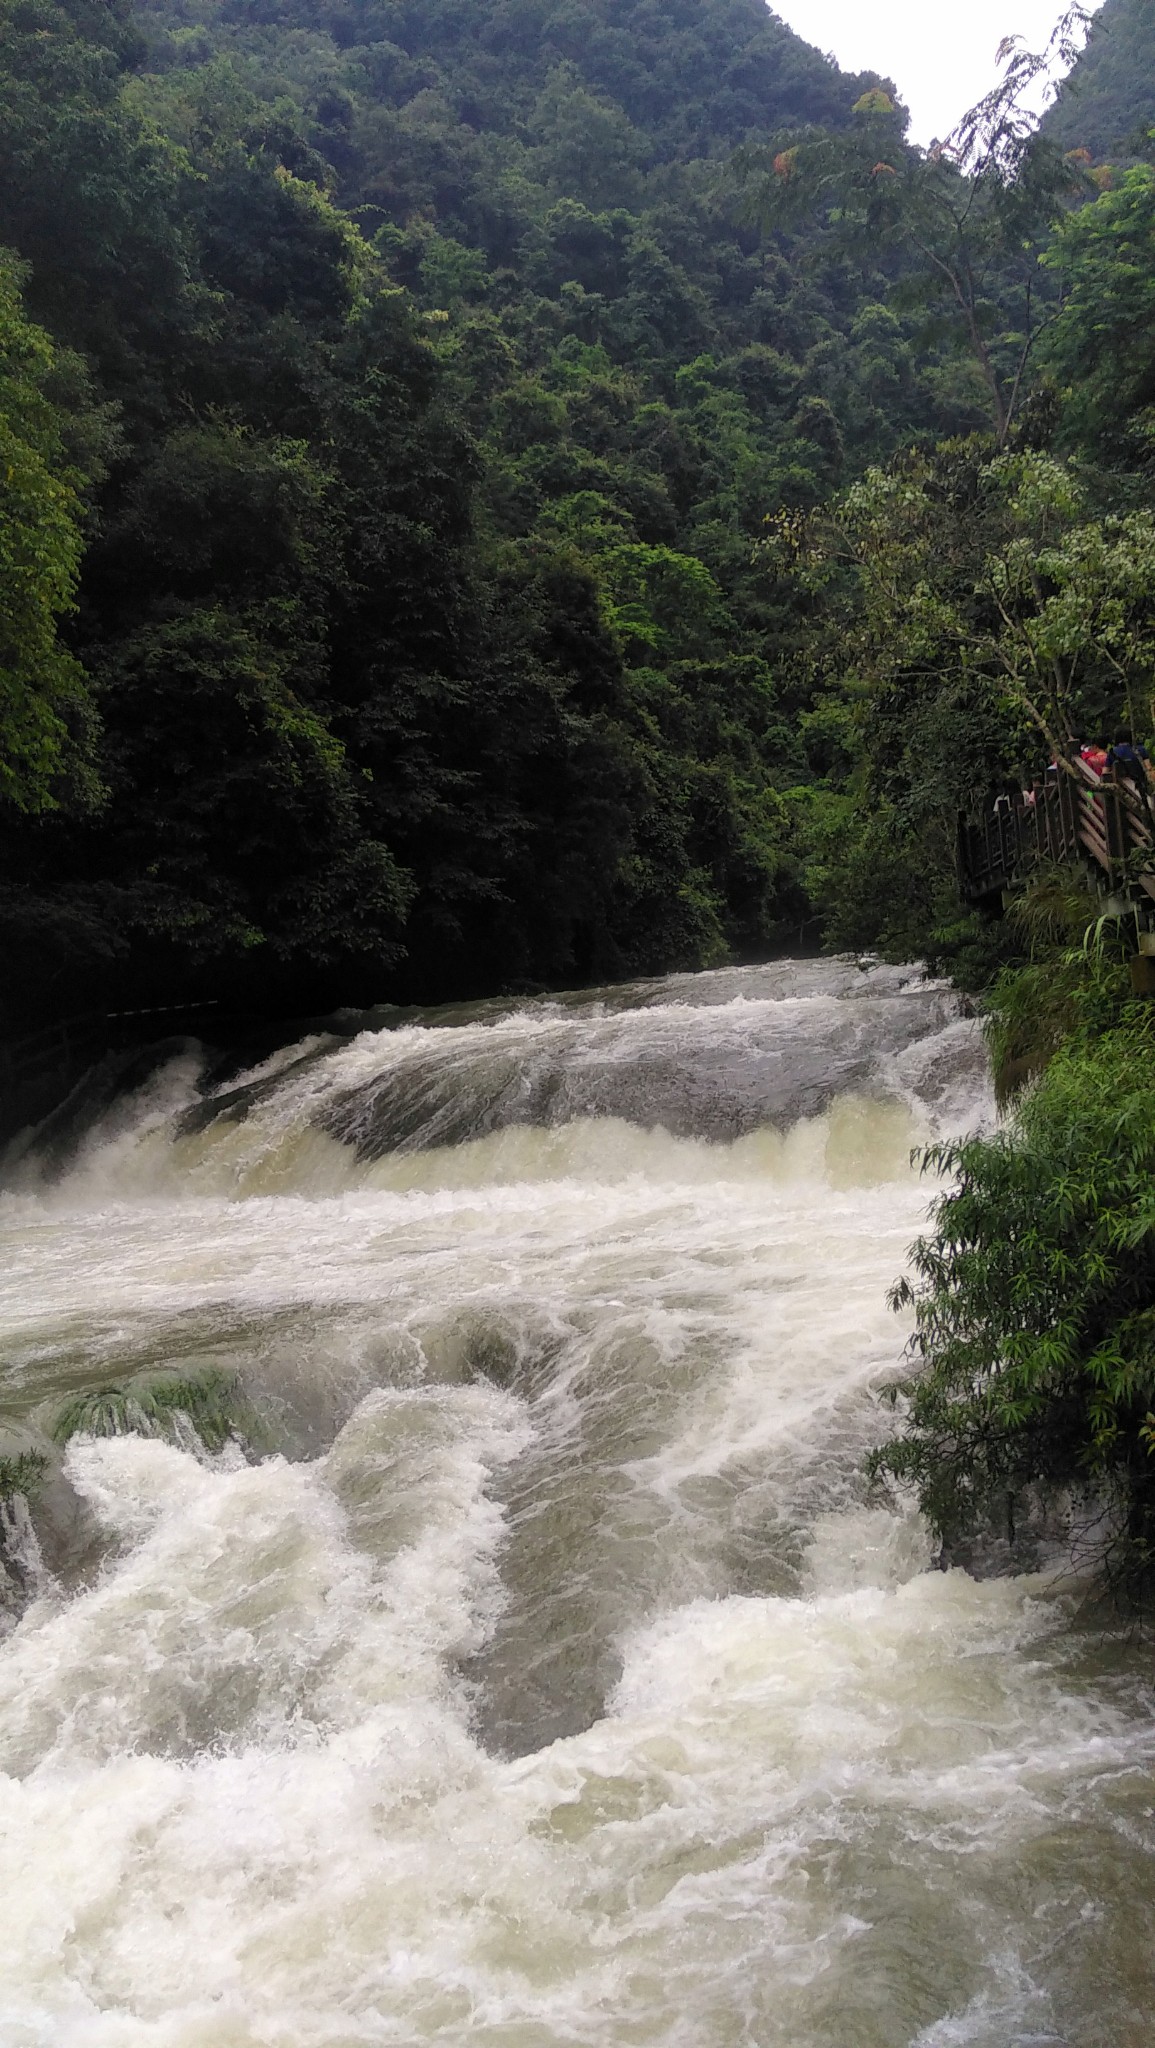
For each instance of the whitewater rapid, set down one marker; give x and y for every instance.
(538, 1669)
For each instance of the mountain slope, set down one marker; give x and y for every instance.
(693, 75)
(429, 397)
(1108, 101)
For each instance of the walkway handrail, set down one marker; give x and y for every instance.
(1071, 813)
(75, 1039)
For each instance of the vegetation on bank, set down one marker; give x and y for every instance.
(501, 500)
(403, 406)
(1033, 1295)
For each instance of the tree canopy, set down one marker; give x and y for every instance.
(45, 703)
(398, 627)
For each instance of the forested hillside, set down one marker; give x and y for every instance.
(1107, 105)
(458, 464)
(397, 395)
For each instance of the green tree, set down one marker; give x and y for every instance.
(437, 400)
(970, 618)
(46, 716)
(588, 149)
(1100, 345)
(240, 823)
(985, 581)
(89, 192)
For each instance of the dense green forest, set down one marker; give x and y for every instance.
(505, 497)
(1105, 104)
(508, 495)
(397, 400)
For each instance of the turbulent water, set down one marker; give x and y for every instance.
(538, 1671)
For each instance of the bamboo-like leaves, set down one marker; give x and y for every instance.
(1034, 1300)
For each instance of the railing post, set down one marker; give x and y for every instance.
(1116, 826)
(1069, 831)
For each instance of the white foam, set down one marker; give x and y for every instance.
(599, 1396)
(760, 1066)
(775, 1779)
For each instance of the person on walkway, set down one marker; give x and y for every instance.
(1128, 758)
(1094, 753)
(1129, 763)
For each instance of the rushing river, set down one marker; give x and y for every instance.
(541, 1672)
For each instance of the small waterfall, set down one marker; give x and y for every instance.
(22, 1572)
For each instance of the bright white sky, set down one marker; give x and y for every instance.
(941, 57)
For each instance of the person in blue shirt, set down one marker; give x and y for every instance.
(1128, 761)
(1127, 758)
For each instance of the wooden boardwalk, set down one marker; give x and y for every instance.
(1067, 816)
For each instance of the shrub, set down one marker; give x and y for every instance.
(1034, 1304)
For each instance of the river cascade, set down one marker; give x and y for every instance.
(530, 1667)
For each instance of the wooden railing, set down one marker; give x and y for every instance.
(36, 1071)
(74, 1039)
(1066, 816)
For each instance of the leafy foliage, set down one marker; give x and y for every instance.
(435, 405)
(1033, 1007)
(1100, 346)
(46, 719)
(1033, 1298)
(412, 415)
(986, 622)
(969, 216)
